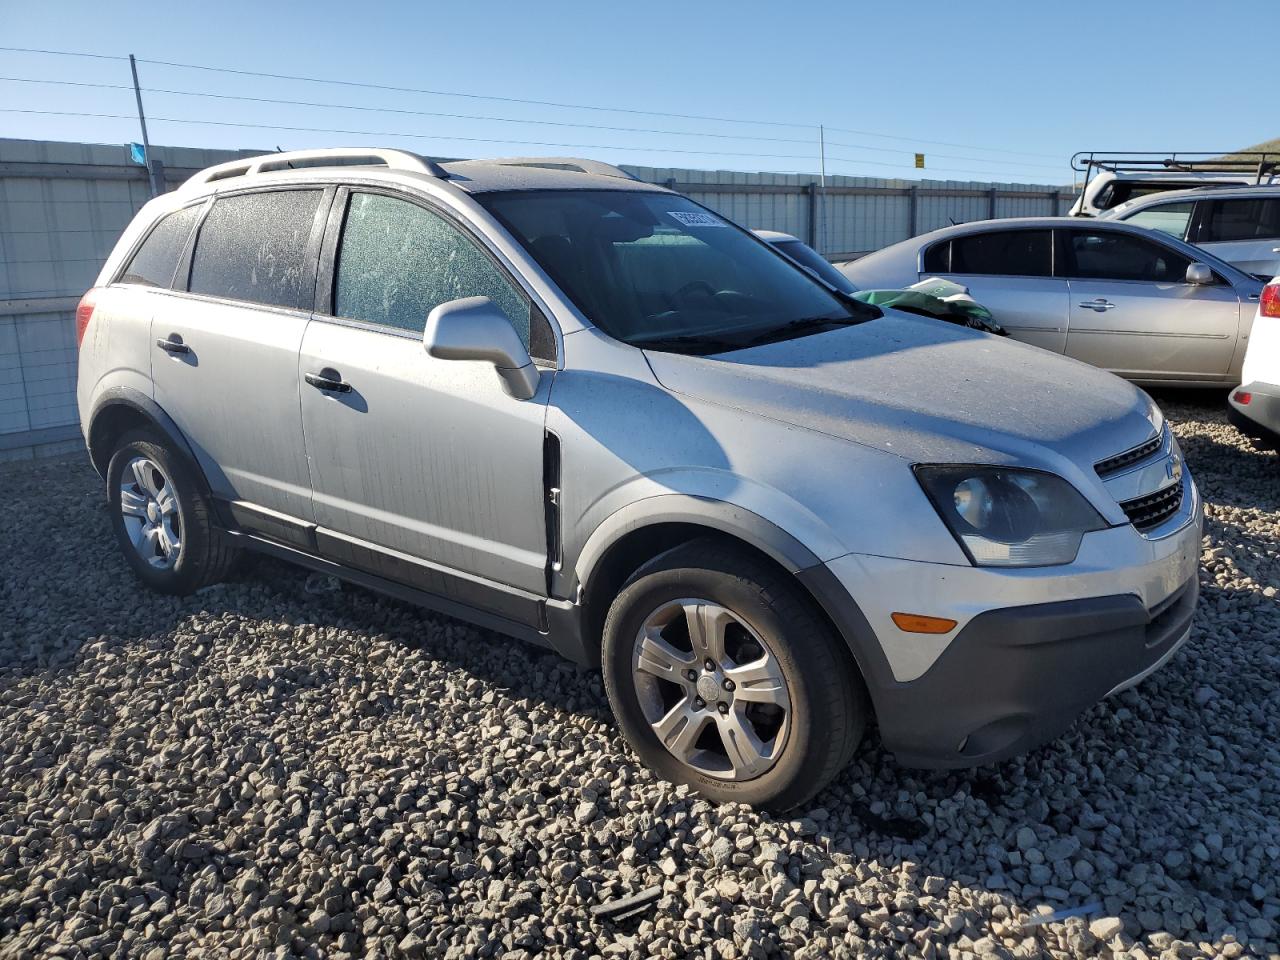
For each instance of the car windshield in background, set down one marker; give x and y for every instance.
(658, 271)
(811, 259)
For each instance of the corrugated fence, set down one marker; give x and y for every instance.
(62, 206)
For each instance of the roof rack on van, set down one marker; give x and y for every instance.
(1261, 164)
(334, 156)
(575, 164)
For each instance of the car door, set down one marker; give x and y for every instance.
(1134, 313)
(1244, 231)
(225, 352)
(423, 470)
(1010, 272)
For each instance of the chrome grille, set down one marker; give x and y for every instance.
(1154, 508)
(1128, 458)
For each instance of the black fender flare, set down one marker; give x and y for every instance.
(112, 400)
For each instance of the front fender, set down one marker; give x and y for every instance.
(700, 510)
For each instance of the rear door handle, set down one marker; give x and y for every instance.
(328, 379)
(1099, 305)
(173, 344)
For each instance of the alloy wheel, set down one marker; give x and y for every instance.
(711, 689)
(152, 518)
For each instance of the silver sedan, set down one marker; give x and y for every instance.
(1141, 304)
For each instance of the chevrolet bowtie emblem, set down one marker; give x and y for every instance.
(1173, 468)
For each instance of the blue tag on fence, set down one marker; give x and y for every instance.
(138, 154)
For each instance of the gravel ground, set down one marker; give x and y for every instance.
(259, 770)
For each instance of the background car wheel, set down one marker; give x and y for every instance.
(724, 676)
(161, 519)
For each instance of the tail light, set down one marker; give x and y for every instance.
(1269, 302)
(84, 313)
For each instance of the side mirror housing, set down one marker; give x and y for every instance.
(1199, 273)
(473, 328)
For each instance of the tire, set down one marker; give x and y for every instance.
(805, 671)
(184, 550)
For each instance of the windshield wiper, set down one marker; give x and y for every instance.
(794, 327)
(712, 344)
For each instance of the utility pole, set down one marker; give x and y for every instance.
(822, 181)
(157, 186)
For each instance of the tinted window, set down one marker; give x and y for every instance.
(937, 259)
(154, 263)
(1014, 253)
(253, 247)
(1170, 218)
(1243, 220)
(397, 261)
(815, 263)
(1103, 255)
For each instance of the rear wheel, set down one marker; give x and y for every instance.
(724, 676)
(161, 518)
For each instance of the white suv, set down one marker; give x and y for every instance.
(586, 411)
(1240, 225)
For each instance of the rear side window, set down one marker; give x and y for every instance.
(253, 246)
(157, 259)
(937, 259)
(1170, 218)
(398, 261)
(1244, 219)
(1108, 255)
(1010, 253)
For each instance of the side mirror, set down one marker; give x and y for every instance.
(1199, 273)
(473, 328)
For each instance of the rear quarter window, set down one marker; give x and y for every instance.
(253, 246)
(154, 263)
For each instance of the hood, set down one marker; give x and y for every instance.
(927, 391)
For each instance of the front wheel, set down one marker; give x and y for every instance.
(162, 520)
(724, 676)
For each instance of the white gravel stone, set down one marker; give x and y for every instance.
(267, 770)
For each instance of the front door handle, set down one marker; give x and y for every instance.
(328, 379)
(1099, 305)
(173, 344)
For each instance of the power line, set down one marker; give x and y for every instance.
(501, 99)
(940, 143)
(461, 139)
(466, 116)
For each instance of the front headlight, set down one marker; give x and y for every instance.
(1008, 517)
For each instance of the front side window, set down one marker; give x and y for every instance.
(1010, 253)
(1242, 219)
(657, 270)
(253, 246)
(1108, 255)
(397, 261)
(157, 259)
(1170, 218)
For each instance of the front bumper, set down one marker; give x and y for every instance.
(1032, 649)
(1259, 419)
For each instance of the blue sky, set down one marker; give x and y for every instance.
(986, 90)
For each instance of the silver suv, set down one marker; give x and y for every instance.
(583, 410)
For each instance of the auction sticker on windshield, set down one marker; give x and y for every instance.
(695, 218)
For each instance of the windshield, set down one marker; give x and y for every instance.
(811, 259)
(656, 270)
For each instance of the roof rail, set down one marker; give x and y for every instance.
(334, 156)
(575, 164)
(1259, 163)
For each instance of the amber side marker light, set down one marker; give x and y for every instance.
(919, 623)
